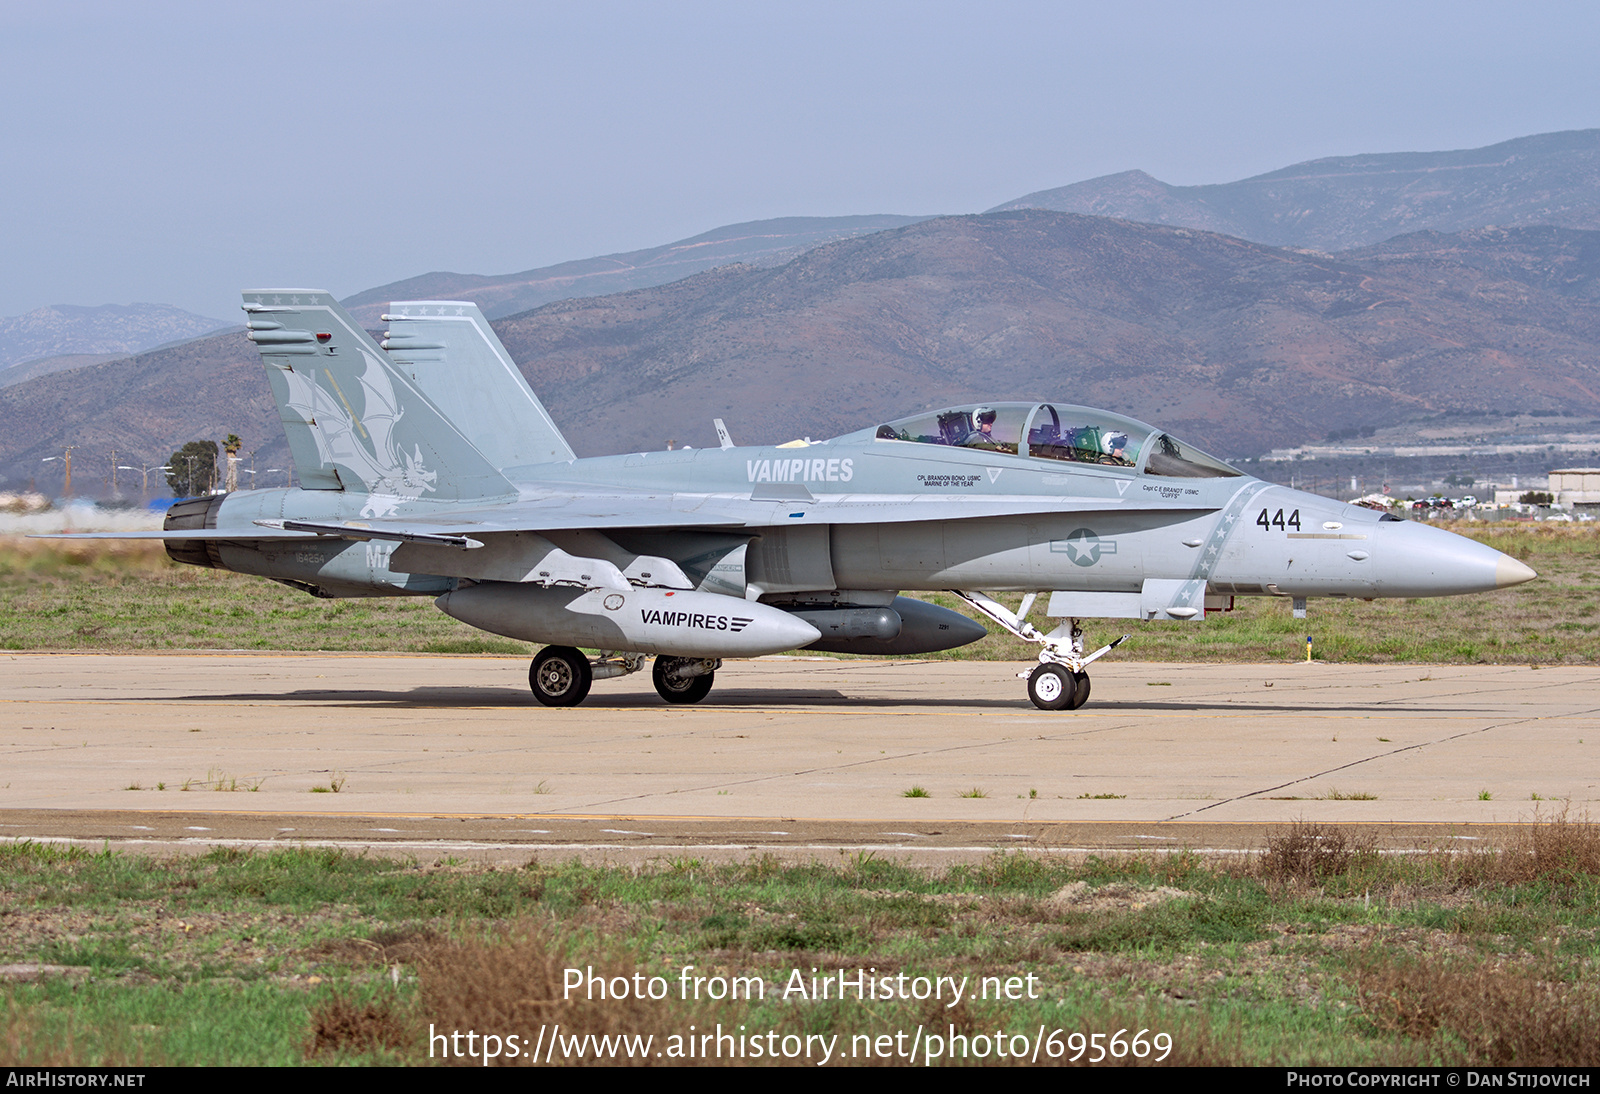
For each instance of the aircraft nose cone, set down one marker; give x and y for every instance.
(1419, 560)
(1509, 571)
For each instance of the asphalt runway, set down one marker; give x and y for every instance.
(802, 757)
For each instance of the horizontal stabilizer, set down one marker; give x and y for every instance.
(239, 534)
(362, 532)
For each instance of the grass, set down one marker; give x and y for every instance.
(130, 596)
(1317, 950)
(110, 595)
(216, 781)
(916, 792)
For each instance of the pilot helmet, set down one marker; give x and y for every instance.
(983, 415)
(1114, 442)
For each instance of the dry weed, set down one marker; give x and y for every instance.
(1560, 848)
(517, 982)
(1309, 852)
(1492, 1016)
(340, 1025)
(1557, 849)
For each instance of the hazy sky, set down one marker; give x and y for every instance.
(178, 152)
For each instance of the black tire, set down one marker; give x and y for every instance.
(675, 690)
(1051, 687)
(1080, 694)
(560, 676)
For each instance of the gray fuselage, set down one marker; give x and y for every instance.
(863, 513)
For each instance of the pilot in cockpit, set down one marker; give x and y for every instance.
(982, 436)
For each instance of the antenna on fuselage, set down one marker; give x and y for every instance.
(722, 433)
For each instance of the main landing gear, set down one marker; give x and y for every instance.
(561, 675)
(684, 679)
(1061, 680)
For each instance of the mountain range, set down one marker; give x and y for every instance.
(757, 243)
(1353, 201)
(70, 329)
(1329, 204)
(1237, 346)
(1128, 300)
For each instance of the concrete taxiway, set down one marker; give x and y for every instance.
(414, 750)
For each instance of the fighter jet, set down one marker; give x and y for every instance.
(428, 467)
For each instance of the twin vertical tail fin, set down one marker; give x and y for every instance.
(449, 350)
(355, 421)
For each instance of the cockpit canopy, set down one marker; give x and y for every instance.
(1058, 431)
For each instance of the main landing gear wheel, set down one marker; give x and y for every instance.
(677, 689)
(560, 676)
(1055, 687)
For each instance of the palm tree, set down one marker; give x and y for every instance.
(231, 446)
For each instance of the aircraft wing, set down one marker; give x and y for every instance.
(720, 512)
(621, 510)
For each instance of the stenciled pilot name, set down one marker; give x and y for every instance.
(946, 482)
(1171, 493)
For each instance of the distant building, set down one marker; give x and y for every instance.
(1576, 486)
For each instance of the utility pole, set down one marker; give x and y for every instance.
(66, 491)
(145, 471)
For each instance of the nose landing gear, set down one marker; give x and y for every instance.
(1061, 680)
(1056, 687)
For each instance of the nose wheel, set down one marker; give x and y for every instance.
(1056, 687)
